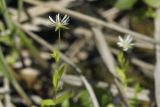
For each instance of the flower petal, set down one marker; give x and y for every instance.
(120, 39)
(65, 21)
(58, 18)
(119, 44)
(132, 44)
(125, 43)
(58, 23)
(50, 18)
(125, 49)
(64, 18)
(129, 39)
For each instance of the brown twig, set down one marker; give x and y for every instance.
(157, 68)
(7, 96)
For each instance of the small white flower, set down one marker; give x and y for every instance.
(59, 23)
(125, 43)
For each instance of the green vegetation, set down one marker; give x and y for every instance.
(57, 62)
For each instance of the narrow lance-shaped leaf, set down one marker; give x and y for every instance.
(125, 4)
(66, 103)
(153, 3)
(47, 102)
(120, 57)
(62, 70)
(6, 40)
(121, 75)
(63, 97)
(55, 80)
(2, 66)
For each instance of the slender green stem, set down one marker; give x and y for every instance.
(59, 39)
(20, 8)
(6, 16)
(55, 93)
(57, 63)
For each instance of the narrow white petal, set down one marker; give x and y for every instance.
(127, 38)
(120, 39)
(50, 18)
(65, 24)
(119, 44)
(64, 18)
(57, 18)
(125, 49)
(132, 44)
(65, 21)
(130, 39)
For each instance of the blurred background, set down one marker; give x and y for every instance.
(88, 47)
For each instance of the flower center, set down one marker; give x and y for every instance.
(125, 45)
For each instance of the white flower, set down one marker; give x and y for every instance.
(125, 43)
(59, 23)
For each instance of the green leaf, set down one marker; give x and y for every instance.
(110, 105)
(47, 102)
(62, 69)
(3, 69)
(137, 88)
(85, 100)
(63, 97)
(121, 60)
(55, 55)
(126, 65)
(153, 3)
(120, 57)
(121, 75)
(55, 80)
(59, 99)
(150, 13)
(6, 40)
(66, 103)
(129, 80)
(125, 4)
(12, 57)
